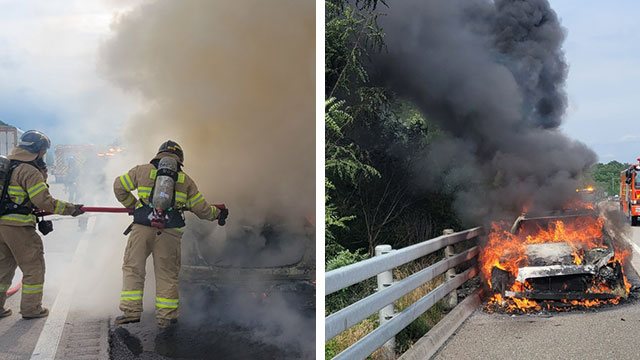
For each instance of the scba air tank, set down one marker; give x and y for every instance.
(5, 166)
(165, 184)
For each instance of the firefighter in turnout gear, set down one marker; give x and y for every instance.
(164, 192)
(20, 245)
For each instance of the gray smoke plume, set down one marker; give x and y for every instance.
(233, 83)
(491, 74)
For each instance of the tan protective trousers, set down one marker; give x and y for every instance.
(22, 246)
(164, 245)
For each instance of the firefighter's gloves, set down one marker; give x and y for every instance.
(224, 213)
(78, 210)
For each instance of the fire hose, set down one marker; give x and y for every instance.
(222, 218)
(106, 209)
(14, 289)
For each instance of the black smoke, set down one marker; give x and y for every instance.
(492, 75)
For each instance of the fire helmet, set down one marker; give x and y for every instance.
(172, 147)
(34, 141)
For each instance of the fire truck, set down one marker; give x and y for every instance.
(68, 157)
(9, 136)
(630, 193)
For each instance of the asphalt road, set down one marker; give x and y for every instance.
(18, 337)
(609, 333)
(74, 330)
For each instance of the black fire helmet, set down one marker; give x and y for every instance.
(34, 141)
(172, 147)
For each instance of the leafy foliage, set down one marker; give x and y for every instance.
(350, 33)
(345, 297)
(607, 176)
(374, 140)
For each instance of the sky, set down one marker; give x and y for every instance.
(49, 73)
(50, 78)
(603, 52)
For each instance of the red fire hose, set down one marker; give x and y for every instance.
(224, 212)
(104, 209)
(107, 209)
(14, 289)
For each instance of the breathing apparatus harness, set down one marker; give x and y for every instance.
(148, 215)
(8, 206)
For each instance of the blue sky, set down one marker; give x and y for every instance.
(603, 52)
(48, 70)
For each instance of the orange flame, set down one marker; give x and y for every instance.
(507, 251)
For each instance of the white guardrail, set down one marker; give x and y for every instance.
(388, 291)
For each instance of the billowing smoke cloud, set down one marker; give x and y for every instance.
(233, 83)
(491, 74)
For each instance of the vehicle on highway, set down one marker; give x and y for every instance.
(256, 262)
(8, 138)
(562, 255)
(630, 193)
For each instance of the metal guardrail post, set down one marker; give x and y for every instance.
(385, 279)
(452, 299)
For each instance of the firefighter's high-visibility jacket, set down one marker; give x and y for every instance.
(142, 178)
(27, 184)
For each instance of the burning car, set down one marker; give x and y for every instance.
(560, 258)
(254, 261)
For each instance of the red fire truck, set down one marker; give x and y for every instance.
(630, 193)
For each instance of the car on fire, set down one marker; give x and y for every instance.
(256, 262)
(562, 255)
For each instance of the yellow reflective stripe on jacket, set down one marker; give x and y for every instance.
(19, 218)
(126, 182)
(195, 200)
(144, 191)
(131, 295)
(213, 213)
(180, 178)
(60, 206)
(16, 190)
(32, 289)
(17, 193)
(129, 200)
(4, 287)
(167, 303)
(181, 197)
(36, 189)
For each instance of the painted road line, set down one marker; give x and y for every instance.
(635, 256)
(47, 345)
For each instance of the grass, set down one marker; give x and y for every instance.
(407, 337)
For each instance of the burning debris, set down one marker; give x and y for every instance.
(555, 261)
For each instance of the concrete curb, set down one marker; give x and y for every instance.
(431, 342)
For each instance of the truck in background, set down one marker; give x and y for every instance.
(69, 159)
(9, 136)
(630, 193)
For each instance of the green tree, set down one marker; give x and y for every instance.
(607, 176)
(342, 161)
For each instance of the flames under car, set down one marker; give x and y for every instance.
(562, 269)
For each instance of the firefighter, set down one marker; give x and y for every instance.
(20, 245)
(160, 238)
